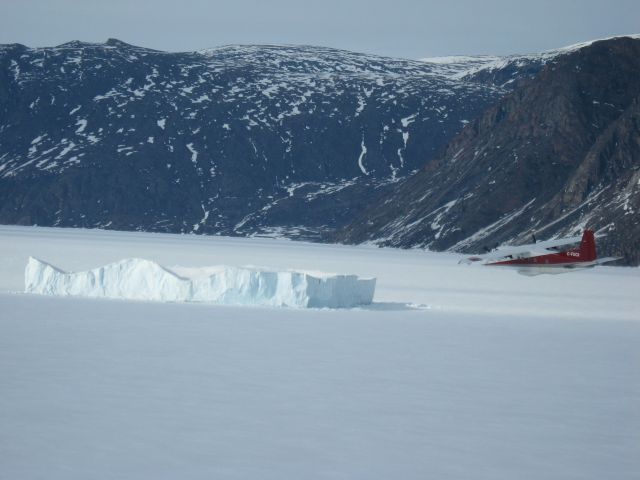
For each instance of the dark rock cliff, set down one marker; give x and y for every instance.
(558, 154)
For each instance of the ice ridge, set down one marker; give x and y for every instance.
(139, 279)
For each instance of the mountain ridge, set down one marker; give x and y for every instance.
(555, 156)
(239, 140)
(238, 128)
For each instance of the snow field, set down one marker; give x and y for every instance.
(452, 372)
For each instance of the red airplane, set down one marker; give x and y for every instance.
(546, 257)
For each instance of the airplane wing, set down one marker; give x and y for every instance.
(541, 247)
(600, 261)
(523, 251)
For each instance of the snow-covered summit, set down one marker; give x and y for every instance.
(465, 66)
(312, 60)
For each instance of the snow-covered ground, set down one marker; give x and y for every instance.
(453, 372)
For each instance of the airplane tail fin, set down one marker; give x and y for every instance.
(588, 246)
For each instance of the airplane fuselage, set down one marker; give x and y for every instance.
(560, 259)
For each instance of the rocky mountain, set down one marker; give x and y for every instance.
(559, 153)
(290, 140)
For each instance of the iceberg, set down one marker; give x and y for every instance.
(139, 279)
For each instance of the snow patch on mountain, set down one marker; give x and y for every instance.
(194, 153)
(81, 124)
(363, 152)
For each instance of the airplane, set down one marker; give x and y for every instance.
(545, 257)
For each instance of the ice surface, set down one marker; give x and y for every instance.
(139, 279)
(453, 372)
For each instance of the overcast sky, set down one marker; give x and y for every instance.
(401, 28)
